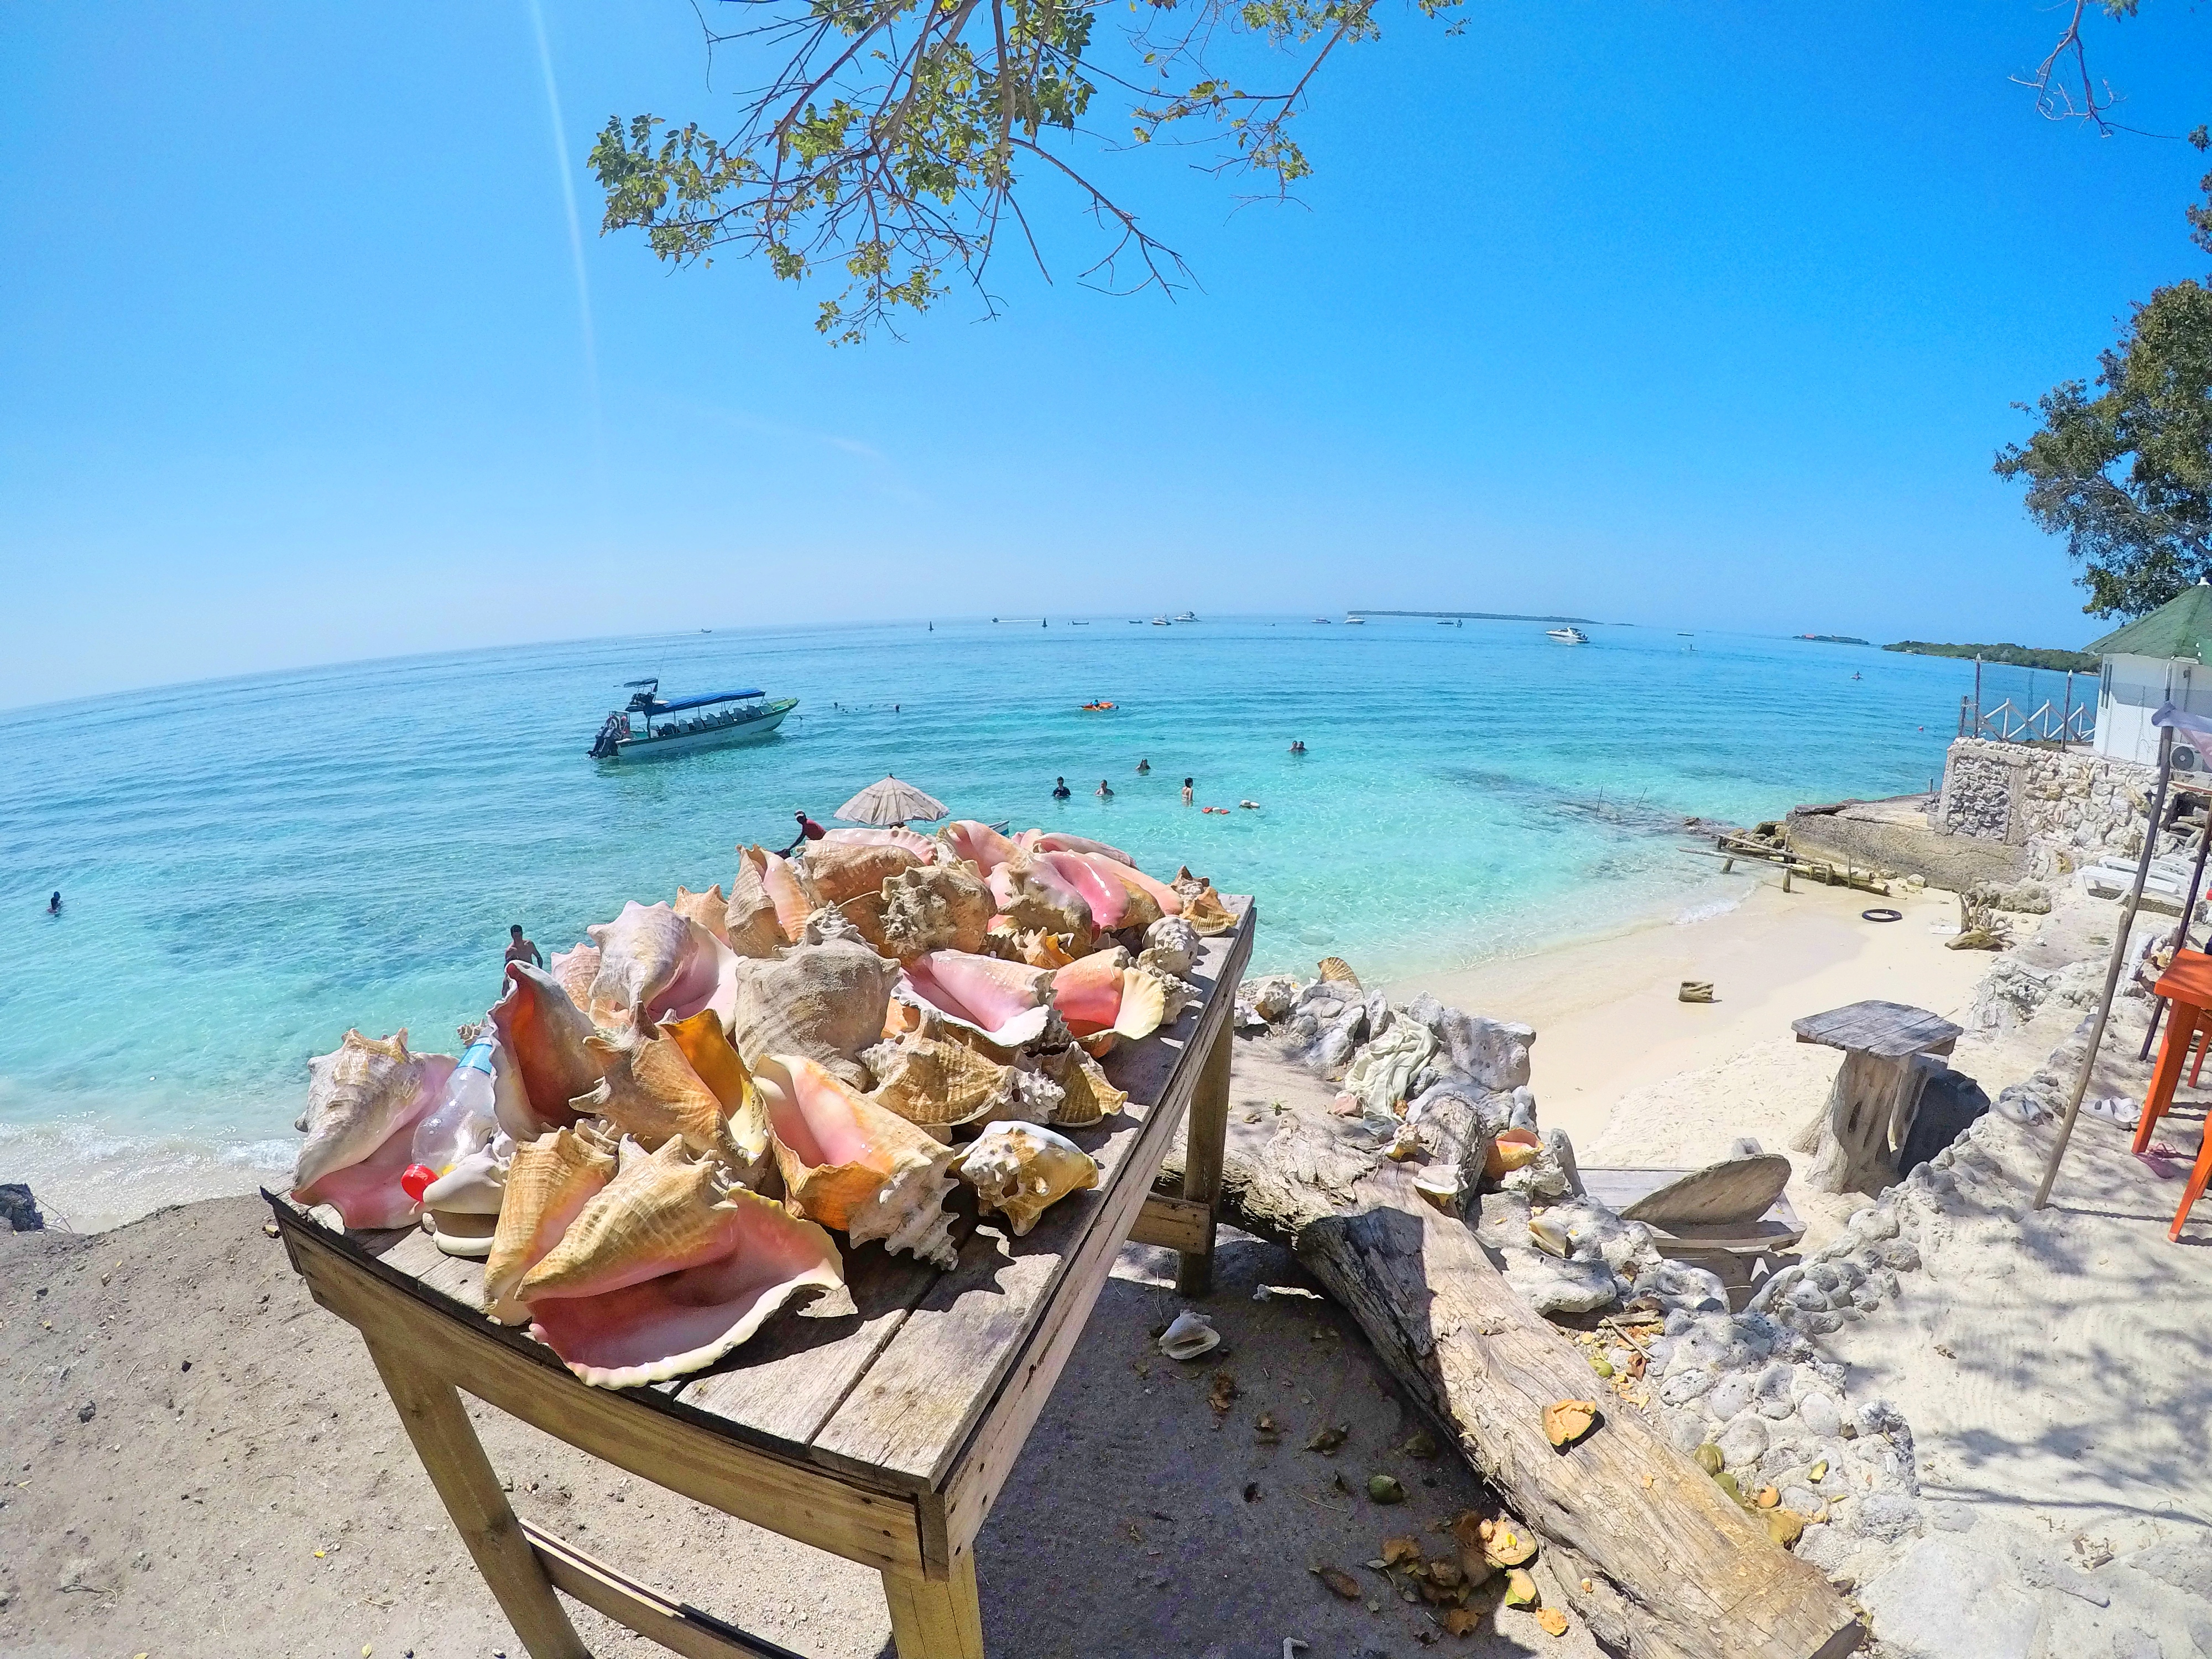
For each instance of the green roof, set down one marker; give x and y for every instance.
(2182, 627)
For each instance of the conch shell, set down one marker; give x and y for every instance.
(937, 1084)
(655, 964)
(1052, 841)
(1019, 1169)
(848, 1163)
(1102, 993)
(942, 907)
(548, 1183)
(923, 847)
(359, 1095)
(1170, 900)
(461, 1208)
(837, 871)
(825, 1001)
(668, 1270)
(542, 1035)
(709, 909)
(1005, 1001)
(749, 923)
(1202, 906)
(652, 1093)
(1087, 1096)
(574, 969)
(1033, 894)
(745, 1126)
(1171, 945)
(787, 889)
(979, 843)
(1036, 948)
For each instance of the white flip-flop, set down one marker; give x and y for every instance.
(2115, 1108)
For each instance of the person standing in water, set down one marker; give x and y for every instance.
(1144, 766)
(1186, 792)
(1105, 791)
(54, 904)
(520, 949)
(1059, 789)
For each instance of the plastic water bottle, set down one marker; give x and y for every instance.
(460, 1123)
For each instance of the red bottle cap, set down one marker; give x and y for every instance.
(416, 1180)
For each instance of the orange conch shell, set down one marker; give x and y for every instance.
(1103, 992)
(785, 888)
(744, 1118)
(849, 1163)
(548, 1183)
(543, 1036)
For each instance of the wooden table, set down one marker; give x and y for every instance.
(1889, 1048)
(883, 1435)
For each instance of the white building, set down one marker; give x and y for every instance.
(2154, 660)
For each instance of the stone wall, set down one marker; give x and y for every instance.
(2059, 805)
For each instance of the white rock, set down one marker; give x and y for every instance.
(1728, 1397)
(1743, 1440)
(1946, 1599)
(1819, 1415)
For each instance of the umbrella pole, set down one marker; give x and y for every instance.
(2113, 969)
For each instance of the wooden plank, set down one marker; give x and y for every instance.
(1886, 1030)
(936, 1620)
(1173, 1223)
(916, 1406)
(653, 1438)
(1205, 1138)
(676, 1626)
(447, 1443)
(1619, 1188)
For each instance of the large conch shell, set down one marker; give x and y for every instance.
(1170, 947)
(651, 1094)
(825, 1001)
(1108, 900)
(979, 844)
(542, 1036)
(1032, 894)
(745, 1127)
(1020, 1169)
(359, 1095)
(1086, 1095)
(923, 847)
(1039, 950)
(786, 887)
(1170, 900)
(668, 1269)
(655, 965)
(848, 1163)
(1052, 841)
(1103, 992)
(709, 909)
(548, 1184)
(942, 907)
(837, 871)
(1006, 1002)
(574, 969)
(749, 923)
(938, 1085)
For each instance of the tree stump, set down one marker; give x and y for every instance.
(1890, 1050)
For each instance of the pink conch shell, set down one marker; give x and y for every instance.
(655, 965)
(1035, 895)
(357, 1095)
(1006, 1001)
(1143, 893)
(573, 970)
(914, 842)
(837, 871)
(1052, 841)
(1103, 992)
(363, 1101)
(849, 1163)
(548, 1183)
(1021, 1168)
(749, 923)
(1170, 900)
(787, 889)
(1108, 898)
(542, 1035)
(709, 909)
(668, 1270)
(979, 843)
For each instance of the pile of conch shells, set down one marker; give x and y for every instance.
(691, 1102)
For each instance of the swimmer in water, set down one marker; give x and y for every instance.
(1186, 792)
(1144, 766)
(1059, 789)
(54, 904)
(1105, 791)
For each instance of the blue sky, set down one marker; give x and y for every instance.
(1695, 315)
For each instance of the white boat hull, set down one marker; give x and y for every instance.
(630, 751)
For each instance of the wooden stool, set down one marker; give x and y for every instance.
(2187, 987)
(1889, 1051)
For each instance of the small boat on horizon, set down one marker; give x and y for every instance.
(1351, 621)
(1568, 636)
(1160, 622)
(685, 725)
(1186, 615)
(1323, 621)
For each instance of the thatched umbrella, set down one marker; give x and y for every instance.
(889, 803)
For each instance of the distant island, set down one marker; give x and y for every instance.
(2015, 656)
(1478, 615)
(1834, 639)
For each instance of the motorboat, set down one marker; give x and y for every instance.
(1160, 622)
(653, 728)
(1567, 635)
(1355, 621)
(1186, 615)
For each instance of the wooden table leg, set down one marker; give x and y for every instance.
(931, 1621)
(447, 1443)
(1205, 1138)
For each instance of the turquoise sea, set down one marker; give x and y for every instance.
(250, 865)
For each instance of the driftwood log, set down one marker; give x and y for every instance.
(1676, 1569)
